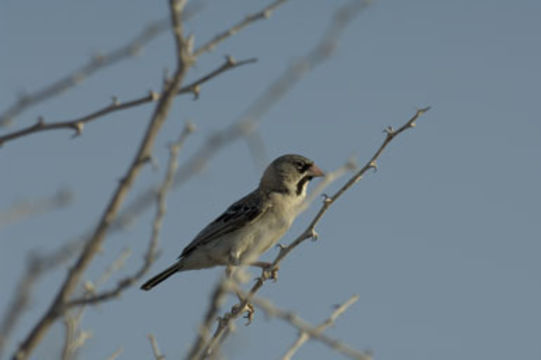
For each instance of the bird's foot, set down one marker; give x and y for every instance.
(247, 308)
(268, 270)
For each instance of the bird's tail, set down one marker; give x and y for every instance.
(161, 276)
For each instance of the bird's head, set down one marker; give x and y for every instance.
(289, 174)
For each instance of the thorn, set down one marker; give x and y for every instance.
(326, 198)
(267, 13)
(230, 60)
(389, 131)
(314, 235)
(282, 247)
(373, 165)
(154, 96)
(412, 124)
(195, 91)
(115, 100)
(78, 127)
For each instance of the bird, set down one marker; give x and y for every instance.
(251, 225)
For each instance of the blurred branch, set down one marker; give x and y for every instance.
(310, 232)
(77, 124)
(116, 354)
(304, 336)
(151, 253)
(27, 208)
(56, 309)
(215, 303)
(74, 337)
(155, 348)
(98, 62)
(294, 320)
(248, 20)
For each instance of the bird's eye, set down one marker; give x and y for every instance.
(301, 167)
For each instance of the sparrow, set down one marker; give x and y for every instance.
(251, 225)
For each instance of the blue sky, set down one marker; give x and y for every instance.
(439, 243)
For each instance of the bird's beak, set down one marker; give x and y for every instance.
(315, 171)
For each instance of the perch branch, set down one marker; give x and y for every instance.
(310, 231)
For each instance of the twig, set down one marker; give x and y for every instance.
(98, 62)
(303, 326)
(310, 231)
(151, 252)
(248, 20)
(116, 354)
(184, 60)
(155, 348)
(27, 208)
(77, 124)
(304, 336)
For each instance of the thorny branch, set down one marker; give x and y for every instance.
(77, 124)
(98, 62)
(310, 232)
(303, 326)
(151, 252)
(56, 309)
(304, 336)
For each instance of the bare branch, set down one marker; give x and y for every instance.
(248, 20)
(28, 208)
(304, 336)
(155, 348)
(77, 124)
(184, 60)
(95, 64)
(303, 326)
(310, 232)
(151, 252)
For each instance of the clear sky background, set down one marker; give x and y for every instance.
(441, 243)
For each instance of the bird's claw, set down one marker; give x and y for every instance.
(270, 272)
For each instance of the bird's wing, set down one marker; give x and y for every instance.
(245, 211)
